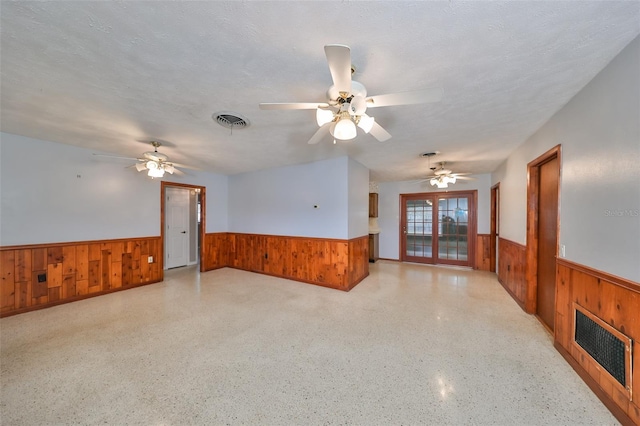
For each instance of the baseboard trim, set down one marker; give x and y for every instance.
(513, 296)
(73, 299)
(614, 408)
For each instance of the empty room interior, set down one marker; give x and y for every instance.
(368, 213)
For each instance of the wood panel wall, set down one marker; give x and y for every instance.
(38, 276)
(615, 301)
(511, 269)
(483, 252)
(339, 264)
(358, 261)
(215, 251)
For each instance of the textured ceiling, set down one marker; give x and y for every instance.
(111, 76)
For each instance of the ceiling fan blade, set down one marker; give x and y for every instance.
(174, 171)
(184, 166)
(320, 133)
(339, 60)
(379, 133)
(293, 105)
(116, 156)
(406, 98)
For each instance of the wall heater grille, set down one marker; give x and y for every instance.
(610, 348)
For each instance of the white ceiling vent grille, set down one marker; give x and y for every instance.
(230, 120)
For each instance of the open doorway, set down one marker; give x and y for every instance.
(182, 224)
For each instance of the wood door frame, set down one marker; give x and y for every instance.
(203, 216)
(401, 234)
(472, 220)
(495, 226)
(533, 201)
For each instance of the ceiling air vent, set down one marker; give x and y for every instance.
(230, 120)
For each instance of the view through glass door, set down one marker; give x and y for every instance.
(438, 228)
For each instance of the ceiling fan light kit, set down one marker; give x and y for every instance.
(155, 163)
(344, 129)
(323, 116)
(347, 101)
(443, 177)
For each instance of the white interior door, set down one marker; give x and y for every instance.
(177, 227)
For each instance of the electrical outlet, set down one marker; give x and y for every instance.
(150, 259)
(562, 250)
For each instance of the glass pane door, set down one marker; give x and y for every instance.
(418, 230)
(453, 232)
(438, 228)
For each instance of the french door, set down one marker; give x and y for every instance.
(438, 227)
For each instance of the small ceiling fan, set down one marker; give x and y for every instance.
(347, 101)
(443, 177)
(154, 162)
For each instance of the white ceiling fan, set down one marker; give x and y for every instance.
(347, 101)
(154, 162)
(443, 177)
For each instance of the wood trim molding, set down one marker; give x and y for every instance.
(73, 243)
(203, 216)
(495, 225)
(297, 237)
(531, 270)
(614, 279)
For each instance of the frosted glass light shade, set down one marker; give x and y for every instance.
(345, 129)
(157, 172)
(141, 166)
(323, 116)
(440, 183)
(357, 106)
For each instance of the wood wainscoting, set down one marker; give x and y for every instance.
(358, 261)
(615, 301)
(42, 275)
(511, 269)
(215, 251)
(483, 252)
(338, 264)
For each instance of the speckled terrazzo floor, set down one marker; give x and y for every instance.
(411, 345)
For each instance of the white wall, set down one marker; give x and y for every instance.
(599, 130)
(358, 199)
(389, 208)
(42, 199)
(281, 201)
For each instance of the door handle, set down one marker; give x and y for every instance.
(183, 232)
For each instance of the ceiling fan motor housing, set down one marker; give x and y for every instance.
(357, 89)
